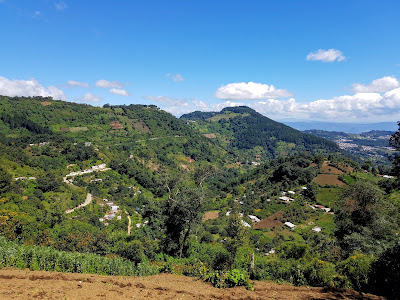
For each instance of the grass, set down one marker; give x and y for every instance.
(328, 196)
(367, 177)
(327, 223)
(348, 179)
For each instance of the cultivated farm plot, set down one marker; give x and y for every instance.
(25, 284)
(332, 179)
(210, 215)
(272, 221)
(329, 169)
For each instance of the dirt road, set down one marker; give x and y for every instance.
(25, 284)
(87, 202)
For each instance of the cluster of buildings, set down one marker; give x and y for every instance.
(101, 167)
(24, 178)
(344, 144)
(40, 144)
(321, 207)
(112, 213)
(285, 198)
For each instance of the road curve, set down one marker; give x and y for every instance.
(87, 202)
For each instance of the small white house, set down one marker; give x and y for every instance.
(291, 192)
(272, 251)
(285, 198)
(114, 207)
(254, 219)
(290, 225)
(317, 229)
(245, 224)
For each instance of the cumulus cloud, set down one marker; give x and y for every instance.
(109, 84)
(120, 92)
(167, 101)
(360, 106)
(61, 5)
(329, 55)
(72, 83)
(376, 104)
(379, 85)
(175, 78)
(250, 91)
(28, 88)
(88, 97)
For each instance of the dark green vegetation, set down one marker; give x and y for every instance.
(152, 178)
(244, 131)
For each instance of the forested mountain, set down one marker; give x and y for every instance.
(242, 128)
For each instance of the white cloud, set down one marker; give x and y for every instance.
(250, 91)
(176, 77)
(379, 85)
(362, 106)
(109, 84)
(120, 92)
(200, 105)
(330, 55)
(60, 5)
(72, 83)
(28, 88)
(88, 97)
(36, 14)
(167, 101)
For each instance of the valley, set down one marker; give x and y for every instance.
(226, 197)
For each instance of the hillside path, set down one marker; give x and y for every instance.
(129, 223)
(87, 202)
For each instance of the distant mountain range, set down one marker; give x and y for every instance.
(343, 127)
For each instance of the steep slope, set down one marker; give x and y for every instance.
(242, 128)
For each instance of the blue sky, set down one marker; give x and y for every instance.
(316, 60)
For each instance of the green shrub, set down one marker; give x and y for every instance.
(357, 268)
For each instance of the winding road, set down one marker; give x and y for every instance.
(87, 202)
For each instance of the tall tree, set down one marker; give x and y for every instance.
(365, 220)
(394, 141)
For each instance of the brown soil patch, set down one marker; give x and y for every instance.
(348, 169)
(64, 129)
(24, 197)
(329, 169)
(211, 215)
(272, 221)
(210, 135)
(116, 125)
(189, 159)
(332, 179)
(185, 167)
(20, 284)
(45, 103)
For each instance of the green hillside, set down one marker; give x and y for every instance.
(140, 191)
(242, 128)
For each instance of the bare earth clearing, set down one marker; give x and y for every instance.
(25, 284)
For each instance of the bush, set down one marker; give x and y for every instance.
(356, 268)
(228, 279)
